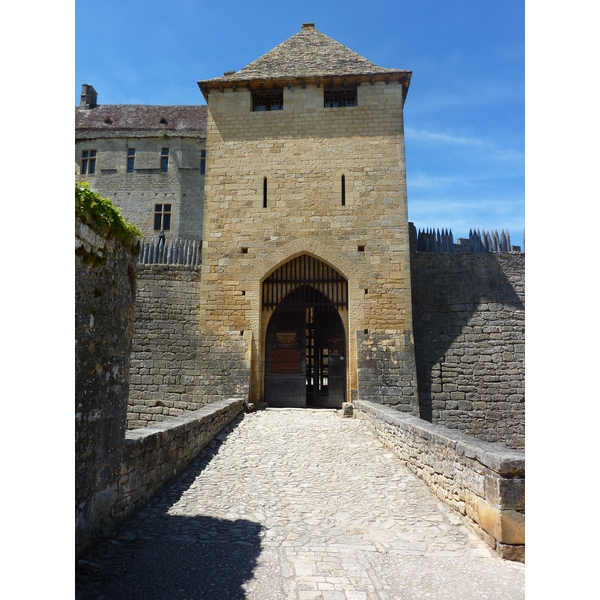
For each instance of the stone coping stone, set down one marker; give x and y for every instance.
(504, 461)
(183, 422)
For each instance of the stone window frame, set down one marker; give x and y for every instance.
(130, 160)
(164, 160)
(162, 216)
(88, 161)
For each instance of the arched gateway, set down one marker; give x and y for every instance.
(305, 303)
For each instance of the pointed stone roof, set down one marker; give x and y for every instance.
(308, 55)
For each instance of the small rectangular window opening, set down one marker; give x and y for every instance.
(267, 100)
(162, 217)
(343, 190)
(244, 250)
(361, 248)
(164, 160)
(336, 96)
(88, 162)
(202, 162)
(265, 192)
(130, 159)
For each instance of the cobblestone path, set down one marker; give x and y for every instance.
(297, 504)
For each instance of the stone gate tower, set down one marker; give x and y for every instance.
(305, 259)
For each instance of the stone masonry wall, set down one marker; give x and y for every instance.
(482, 481)
(155, 454)
(469, 328)
(105, 280)
(386, 369)
(170, 368)
(302, 152)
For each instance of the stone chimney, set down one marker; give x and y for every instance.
(89, 97)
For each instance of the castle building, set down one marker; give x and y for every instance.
(310, 291)
(148, 160)
(306, 243)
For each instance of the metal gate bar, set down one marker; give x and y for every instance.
(305, 281)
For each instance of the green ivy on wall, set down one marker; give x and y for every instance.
(102, 216)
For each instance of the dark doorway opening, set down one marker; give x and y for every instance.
(305, 346)
(325, 360)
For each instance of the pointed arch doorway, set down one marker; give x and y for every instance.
(305, 302)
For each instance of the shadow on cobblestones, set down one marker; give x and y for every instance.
(158, 555)
(193, 558)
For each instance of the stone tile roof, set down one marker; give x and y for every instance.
(136, 117)
(307, 54)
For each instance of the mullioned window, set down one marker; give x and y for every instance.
(339, 96)
(88, 162)
(267, 100)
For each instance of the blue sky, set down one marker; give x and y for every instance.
(465, 111)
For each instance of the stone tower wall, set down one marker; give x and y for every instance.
(303, 151)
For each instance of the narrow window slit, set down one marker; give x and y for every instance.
(265, 192)
(343, 190)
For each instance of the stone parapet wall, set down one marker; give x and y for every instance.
(170, 373)
(155, 454)
(469, 328)
(482, 481)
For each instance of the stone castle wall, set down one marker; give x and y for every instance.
(104, 300)
(302, 151)
(468, 335)
(469, 327)
(171, 367)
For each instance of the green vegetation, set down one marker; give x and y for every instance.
(102, 216)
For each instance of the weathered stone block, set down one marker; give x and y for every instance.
(505, 493)
(506, 526)
(514, 553)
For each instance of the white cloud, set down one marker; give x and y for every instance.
(421, 135)
(424, 181)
